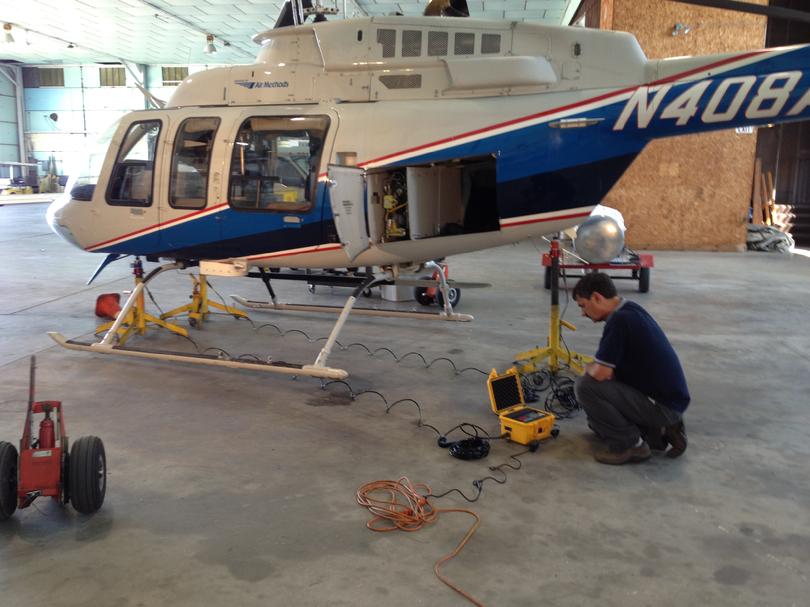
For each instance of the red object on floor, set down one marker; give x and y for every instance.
(108, 305)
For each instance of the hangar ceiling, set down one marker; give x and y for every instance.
(174, 31)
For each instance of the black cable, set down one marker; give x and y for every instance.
(479, 483)
(476, 446)
(478, 487)
(149, 293)
(477, 431)
(561, 400)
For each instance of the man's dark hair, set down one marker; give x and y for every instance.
(595, 282)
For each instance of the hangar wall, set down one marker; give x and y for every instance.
(689, 192)
(83, 108)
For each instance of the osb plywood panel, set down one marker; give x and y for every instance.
(690, 192)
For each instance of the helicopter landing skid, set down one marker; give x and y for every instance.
(270, 306)
(110, 345)
(202, 359)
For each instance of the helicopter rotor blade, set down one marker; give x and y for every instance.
(758, 9)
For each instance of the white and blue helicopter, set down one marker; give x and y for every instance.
(387, 142)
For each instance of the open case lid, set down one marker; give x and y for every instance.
(505, 390)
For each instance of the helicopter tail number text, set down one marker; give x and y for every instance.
(771, 99)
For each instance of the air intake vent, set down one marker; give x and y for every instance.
(388, 40)
(437, 44)
(411, 43)
(490, 43)
(409, 81)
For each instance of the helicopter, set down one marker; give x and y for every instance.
(391, 141)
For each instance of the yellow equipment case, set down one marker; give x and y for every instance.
(520, 424)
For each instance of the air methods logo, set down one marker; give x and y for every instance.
(266, 84)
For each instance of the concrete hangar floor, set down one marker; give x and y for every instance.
(229, 487)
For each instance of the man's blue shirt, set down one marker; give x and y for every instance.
(639, 353)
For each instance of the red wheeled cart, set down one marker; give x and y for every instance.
(44, 468)
(639, 265)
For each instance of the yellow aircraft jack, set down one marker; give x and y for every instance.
(198, 309)
(528, 362)
(136, 319)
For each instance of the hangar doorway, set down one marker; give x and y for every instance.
(785, 149)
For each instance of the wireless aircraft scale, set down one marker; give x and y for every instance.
(390, 141)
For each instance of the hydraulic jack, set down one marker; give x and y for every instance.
(44, 467)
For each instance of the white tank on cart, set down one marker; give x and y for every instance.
(600, 238)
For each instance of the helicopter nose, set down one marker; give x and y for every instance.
(57, 218)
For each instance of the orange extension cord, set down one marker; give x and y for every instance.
(408, 510)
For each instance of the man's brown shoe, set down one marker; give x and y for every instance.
(676, 437)
(617, 458)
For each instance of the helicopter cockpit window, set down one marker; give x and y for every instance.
(275, 160)
(190, 163)
(132, 176)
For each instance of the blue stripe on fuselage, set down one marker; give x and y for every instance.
(230, 233)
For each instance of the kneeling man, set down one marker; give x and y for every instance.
(635, 392)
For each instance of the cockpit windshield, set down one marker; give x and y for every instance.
(83, 176)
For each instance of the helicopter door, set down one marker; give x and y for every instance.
(128, 198)
(347, 187)
(188, 166)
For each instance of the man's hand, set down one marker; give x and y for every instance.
(599, 372)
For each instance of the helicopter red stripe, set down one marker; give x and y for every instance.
(302, 251)
(156, 226)
(541, 219)
(565, 108)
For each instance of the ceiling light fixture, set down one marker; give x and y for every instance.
(209, 49)
(8, 38)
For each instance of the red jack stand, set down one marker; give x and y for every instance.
(44, 468)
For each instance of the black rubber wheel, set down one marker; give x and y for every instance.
(8, 480)
(453, 293)
(64, 497)
(88, 474)
(547, 278)
(644, 280)
(420, 294)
